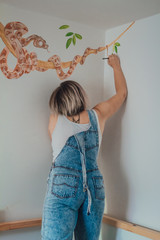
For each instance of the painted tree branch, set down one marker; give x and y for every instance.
(27, 62)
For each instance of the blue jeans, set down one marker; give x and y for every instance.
(75, 196)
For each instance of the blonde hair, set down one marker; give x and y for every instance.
(68, 99)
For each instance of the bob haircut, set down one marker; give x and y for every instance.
(68, 99)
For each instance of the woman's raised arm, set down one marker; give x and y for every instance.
(107, 108)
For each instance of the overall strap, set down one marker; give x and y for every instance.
(80, 139)
(81, 145)
(93, 119)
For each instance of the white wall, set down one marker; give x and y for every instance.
(112, 233)
(130, 147)
(130, 156)
(26, 153)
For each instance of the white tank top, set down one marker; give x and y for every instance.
(64, 129)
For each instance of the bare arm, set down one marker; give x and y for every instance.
(52, 124)
(107, 108)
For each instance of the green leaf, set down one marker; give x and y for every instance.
(64, 27)
(116, 49)
(78, 36)
(68, 42)
(117, 44)
(74, 39)
(113, 48)
(69, 34)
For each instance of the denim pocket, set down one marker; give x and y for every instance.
(98, 183)
(65, 185)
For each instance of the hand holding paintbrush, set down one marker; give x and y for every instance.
(113, 61)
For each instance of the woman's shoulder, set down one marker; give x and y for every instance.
(52, 122)
(53, 117)
(97, 113)
(100, 119)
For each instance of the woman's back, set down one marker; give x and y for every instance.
(64, 128)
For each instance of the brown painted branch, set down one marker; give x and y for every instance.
(5, 40)
(50, 65)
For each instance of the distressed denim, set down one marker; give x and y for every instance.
(75, 195)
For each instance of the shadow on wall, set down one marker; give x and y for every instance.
(116, 186)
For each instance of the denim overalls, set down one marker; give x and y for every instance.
(75, 196)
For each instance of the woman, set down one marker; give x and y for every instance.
(75, 196)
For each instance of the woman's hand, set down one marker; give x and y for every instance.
(114, 61)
